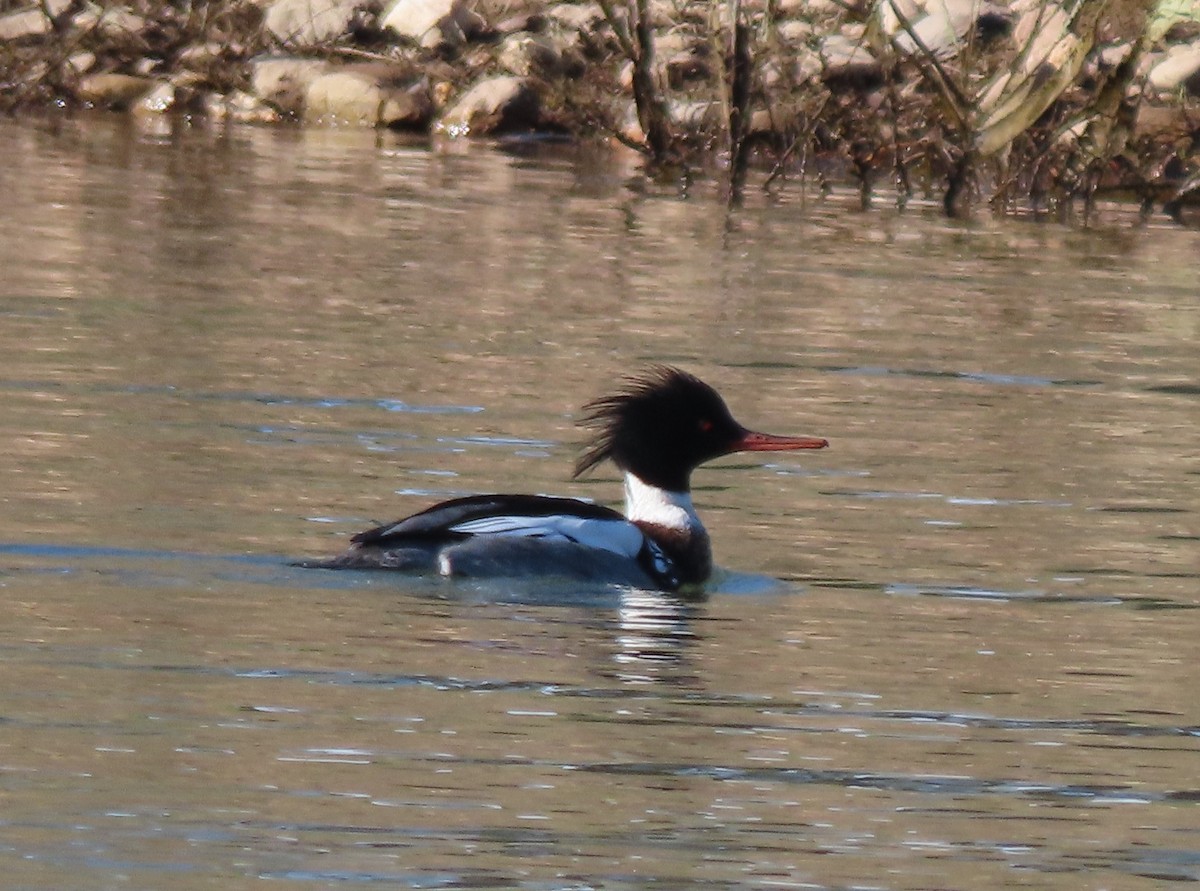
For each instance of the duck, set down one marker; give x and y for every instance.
(657, 427)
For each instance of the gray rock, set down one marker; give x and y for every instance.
(202, 56)
(81, 63)
(525, 21)
(23, 24)
(282, 82)
(302, 23)
(1179, 66)
(494, 105)
(939, 24)
(29, 23)
(160, 100)
(813, 9)
(794, 33)
(114, 91)
(845, 56)
(111, 21)
(432, 23)
(364, 96)
(524, 54)
(239, 107)
(572, 17)
(695, 115)
(575, 29)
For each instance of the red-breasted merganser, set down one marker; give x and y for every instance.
(659, 428)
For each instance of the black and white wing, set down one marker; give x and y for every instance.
(542, 531)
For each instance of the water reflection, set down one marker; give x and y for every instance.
(654, 634)
(227, 349)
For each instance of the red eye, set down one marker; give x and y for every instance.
(706, 426)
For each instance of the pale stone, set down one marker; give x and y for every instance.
(524, 54)
(201, 56)
(584, 17)
(159, 100)
(112, 21)
(578, 27)
(940, 25)
(309, 22)
(118, 91)
(26, 23)
(525, 21)
(282, 82)
(841, 54)
(674, 42)
(1112, 56)
(415, 18)
(341, 98)
(361, 97)
(782, 117)
(794, 33)
(433, 22)
(812, 9)
(575, 30)
(22, 21)
(239, 107)
(695, 115)
(492, 106)
(1179, 65)
(81, 62)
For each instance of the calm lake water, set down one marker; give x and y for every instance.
(958, 649)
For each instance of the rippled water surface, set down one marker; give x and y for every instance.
(958, 649)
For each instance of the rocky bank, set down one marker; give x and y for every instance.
(1069, 96)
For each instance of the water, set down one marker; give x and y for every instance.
(957, 649)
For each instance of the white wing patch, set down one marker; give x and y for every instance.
(618, 536)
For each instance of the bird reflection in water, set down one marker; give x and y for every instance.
(654, 637)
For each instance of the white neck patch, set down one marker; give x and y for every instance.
(649, 504)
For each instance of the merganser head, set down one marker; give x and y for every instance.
(665, 423)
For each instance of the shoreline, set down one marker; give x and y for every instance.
(1018, 104)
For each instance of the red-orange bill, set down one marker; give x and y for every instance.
(768, 442)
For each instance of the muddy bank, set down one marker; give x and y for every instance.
(1019, 102)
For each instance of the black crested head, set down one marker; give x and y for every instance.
(661, 426)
